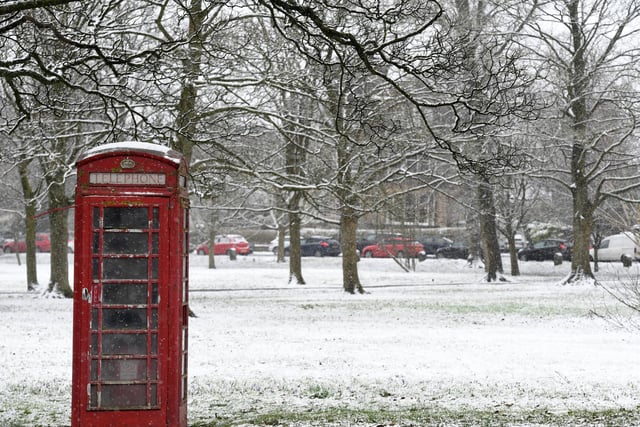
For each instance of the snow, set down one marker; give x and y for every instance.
(439, 336)
(156, 149)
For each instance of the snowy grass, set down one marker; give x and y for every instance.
(437, 346)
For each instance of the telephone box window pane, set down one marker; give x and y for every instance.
(154, 370)
(124, 293)
(93, 401)
(154, 395)
(94, 319)
(124, 268)
(124, 318)
(154, 318)
(96, 217)
(124, 370)
(156, 218)
(94, 370)
(125, 243)
(125, 218)
(94, 344)
(96, 268)
(124, 344)
(123, 396)
(96, 243)
(154, 294)
(154, 268)
(154, 344)
(154, 243)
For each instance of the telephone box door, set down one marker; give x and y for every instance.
(124, 310)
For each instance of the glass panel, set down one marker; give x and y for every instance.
(94, 319)
(96, 217)
(125, 243)
(154, 370)
(96, 268)
(94, 370)
(124, 318)
(96, 242)
(124, 343)
(93, 400)
(94, 343)
(154, 293)
(156, 219)
(124, 268)
(154, 318)
(154, 344)
(125, 218)
(124, 369)
(154, 243)
(124, 293)
(154, 395)
(154, 268)
(123, 396)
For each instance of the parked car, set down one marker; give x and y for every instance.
(397, 247)
(432, 244)
(316, 246)
(43, 244)
(457, 250)
(612, 248)
(224, 243)
(273, 245)
(373, 239)
(545, 250)
(519, 241)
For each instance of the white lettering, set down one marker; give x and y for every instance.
(106, 178)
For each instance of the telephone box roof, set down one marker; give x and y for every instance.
(133, 146)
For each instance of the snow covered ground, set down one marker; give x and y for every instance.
(439, 337)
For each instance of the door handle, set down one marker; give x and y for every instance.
(86, 295)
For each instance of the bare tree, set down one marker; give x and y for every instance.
(589, 49)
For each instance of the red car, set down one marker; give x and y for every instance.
(43, 244)
(397, 247)
(224, 243)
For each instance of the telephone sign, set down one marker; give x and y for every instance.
(130, 287)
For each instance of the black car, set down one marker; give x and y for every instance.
(317, 246)
(458, 250)
(545, 250)
(432, 244)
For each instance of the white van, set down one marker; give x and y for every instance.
(614, 247)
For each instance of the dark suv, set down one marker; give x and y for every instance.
(545, 250)
(432, 244)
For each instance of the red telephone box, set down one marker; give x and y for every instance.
(130, 315)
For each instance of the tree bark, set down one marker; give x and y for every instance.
(280, 248)
(513, 251)
(58, 219)
(582, 205)
(348, 229)
(295, 257)
(30, 225)
(489, 236)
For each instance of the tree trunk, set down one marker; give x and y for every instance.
(186, 120)
(582, 225)
(30, 225)
(582, 206)
(513, 251)
(212, 241)
(348, 229)
(58, 219)
(489, 236)
(280, 248)
(295, 258)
